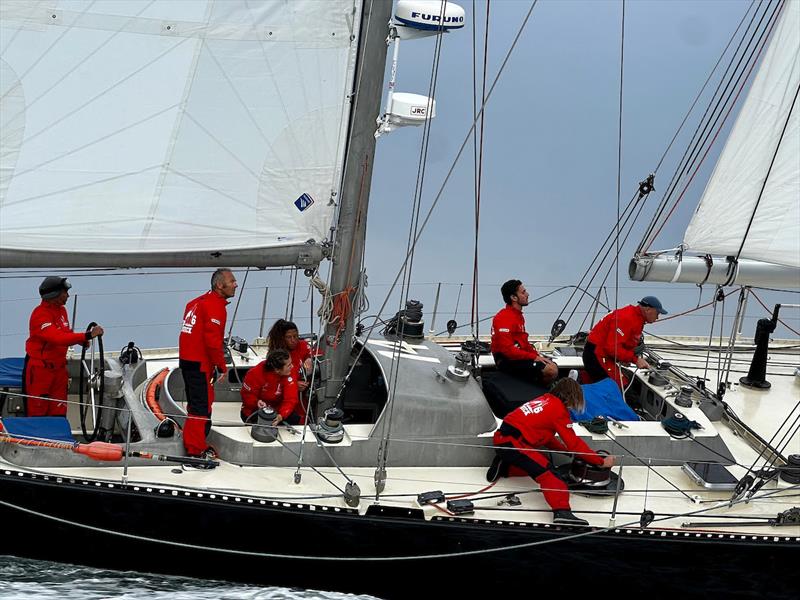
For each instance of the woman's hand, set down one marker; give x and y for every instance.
(608, 462)
(277, 420)
(261, 404)
(302, 385)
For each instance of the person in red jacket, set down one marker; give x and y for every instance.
(512, 351)
(617, 338)
(284, 334)
(202, 360)
(533, 426)
(272, 383)
(45, 368)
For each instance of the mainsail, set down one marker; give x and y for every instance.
(182, 133)
(749, 214)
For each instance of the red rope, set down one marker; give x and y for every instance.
(691, 310)
(340, 312)
(4, 437)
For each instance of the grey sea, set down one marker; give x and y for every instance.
(22, 578)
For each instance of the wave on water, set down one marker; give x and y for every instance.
(22, 578)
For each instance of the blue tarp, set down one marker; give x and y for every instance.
(11, 372)
(47, 428)
(604, 399)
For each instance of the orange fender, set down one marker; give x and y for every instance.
(100, 451)
(150, 394)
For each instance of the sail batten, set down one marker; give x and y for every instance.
(179, 129)
(751, 206)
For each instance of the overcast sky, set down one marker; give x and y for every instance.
(549, 190)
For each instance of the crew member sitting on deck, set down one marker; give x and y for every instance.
(272, 383)
(44, 376)
(284, 334)
(617, 338)
(513, 353)
(534, 425)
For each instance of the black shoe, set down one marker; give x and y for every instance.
(565, 517)
(497, 470)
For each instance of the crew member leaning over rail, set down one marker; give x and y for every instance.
(45, 368)
(202, 360)
(617, 338)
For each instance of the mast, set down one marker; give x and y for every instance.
(352, 222)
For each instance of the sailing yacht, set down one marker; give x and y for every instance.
(241, 134)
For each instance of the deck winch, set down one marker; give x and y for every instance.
(263, 430)
(587, 474)
(330, 427)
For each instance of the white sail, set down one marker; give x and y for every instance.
(734, 192)
(141, 132)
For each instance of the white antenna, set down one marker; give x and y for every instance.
(414, 19)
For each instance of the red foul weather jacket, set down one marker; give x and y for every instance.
(509, 337)
(50, 334)
(300, 353)
(623, 326)
(262, 383)
(203, 332)
(539, 420)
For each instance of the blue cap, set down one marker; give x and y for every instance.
(653, 302)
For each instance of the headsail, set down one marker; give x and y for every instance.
(151, 133)
(748, 220)
(763, 145)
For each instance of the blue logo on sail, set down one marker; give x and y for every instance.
(303, 202)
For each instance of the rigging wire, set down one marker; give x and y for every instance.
(474, 323)
(450, 171)
(714, 126)
(615, 263)
(643, 197)
(769, 312)
(238, 300)
(684, 161)
(394, 374)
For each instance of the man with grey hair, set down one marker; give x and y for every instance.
(202, 360)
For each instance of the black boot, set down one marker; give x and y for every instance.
(497, 470)
(566, 517)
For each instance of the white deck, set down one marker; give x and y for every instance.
(667, 491)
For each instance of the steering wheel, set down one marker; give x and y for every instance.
(91, 383)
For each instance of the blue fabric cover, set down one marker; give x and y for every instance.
(11, 372)
(48, 428)
(604, 399)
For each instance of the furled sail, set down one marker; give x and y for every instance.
(169, 133)
(762, 151)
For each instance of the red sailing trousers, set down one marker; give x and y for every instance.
(49, 381)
